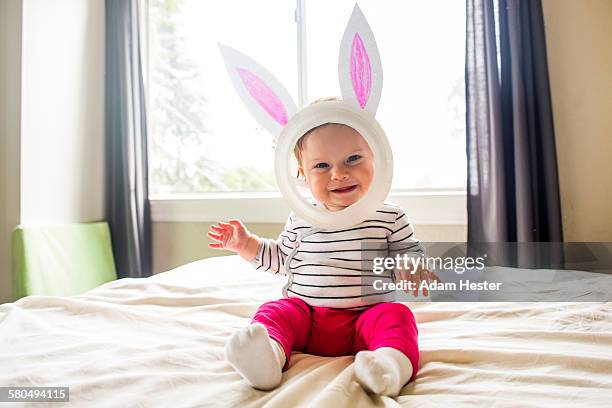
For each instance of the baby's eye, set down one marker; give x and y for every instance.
(353, 158)
(321, 166)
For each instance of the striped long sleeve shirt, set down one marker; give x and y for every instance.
(333, 268)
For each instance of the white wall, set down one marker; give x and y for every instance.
(62, 135)
(10, 94)
(177, 243)
(51, 116)
(578, 36)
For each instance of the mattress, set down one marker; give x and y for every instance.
(158, 342)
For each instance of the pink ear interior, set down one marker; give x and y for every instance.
(361, 71)
(265, 97)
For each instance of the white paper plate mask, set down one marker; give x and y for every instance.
(360, 76)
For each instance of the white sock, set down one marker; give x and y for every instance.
(383, 371)
(256, 357)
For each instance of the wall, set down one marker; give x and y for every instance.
(62, 135)
(10, 94)
(578, 35)
(176, 243)
(51, 116)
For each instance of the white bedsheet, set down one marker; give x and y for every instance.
(158, 342)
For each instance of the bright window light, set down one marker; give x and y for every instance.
(201, 137)
(422, 108)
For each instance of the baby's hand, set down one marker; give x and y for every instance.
(231, 235)
(417, 277)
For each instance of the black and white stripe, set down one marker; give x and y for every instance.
(333, 268)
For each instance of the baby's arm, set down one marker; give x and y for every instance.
(402, 240)
(234, 236)
(271, 254)
(263, 253)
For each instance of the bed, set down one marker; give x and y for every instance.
(158, 342)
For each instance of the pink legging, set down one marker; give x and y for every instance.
(336, 332)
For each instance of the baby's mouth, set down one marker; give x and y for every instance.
(345, 190)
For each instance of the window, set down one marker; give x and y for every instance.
(203, 140)
(201, 137)
(422, 108)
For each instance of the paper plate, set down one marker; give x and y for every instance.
(364, 123)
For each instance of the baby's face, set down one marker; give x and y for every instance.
(338, 165)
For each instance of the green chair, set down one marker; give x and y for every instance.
(61, 260)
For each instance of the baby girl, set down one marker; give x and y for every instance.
(325, 310)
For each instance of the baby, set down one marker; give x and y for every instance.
(324, 310)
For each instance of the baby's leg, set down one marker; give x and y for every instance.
(257, 357)
(383, 371)
(387, 348)
(260, 351)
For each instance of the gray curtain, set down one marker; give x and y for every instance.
(513, 188)
(127, 203)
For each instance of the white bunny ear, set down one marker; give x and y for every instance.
(264, 96)
(359, 68)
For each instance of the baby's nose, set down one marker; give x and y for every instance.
(339, 173)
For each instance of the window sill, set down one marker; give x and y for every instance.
(431, 207)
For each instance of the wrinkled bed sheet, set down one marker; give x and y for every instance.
(158, 342)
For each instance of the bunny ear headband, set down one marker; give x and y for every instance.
(360, 76)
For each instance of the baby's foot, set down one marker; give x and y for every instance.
(383, 371)
(251, 353)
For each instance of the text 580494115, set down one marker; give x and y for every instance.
(34, 394)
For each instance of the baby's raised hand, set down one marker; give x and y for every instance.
(231, 235)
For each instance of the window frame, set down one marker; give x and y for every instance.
(431, 206)
(426, 207)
